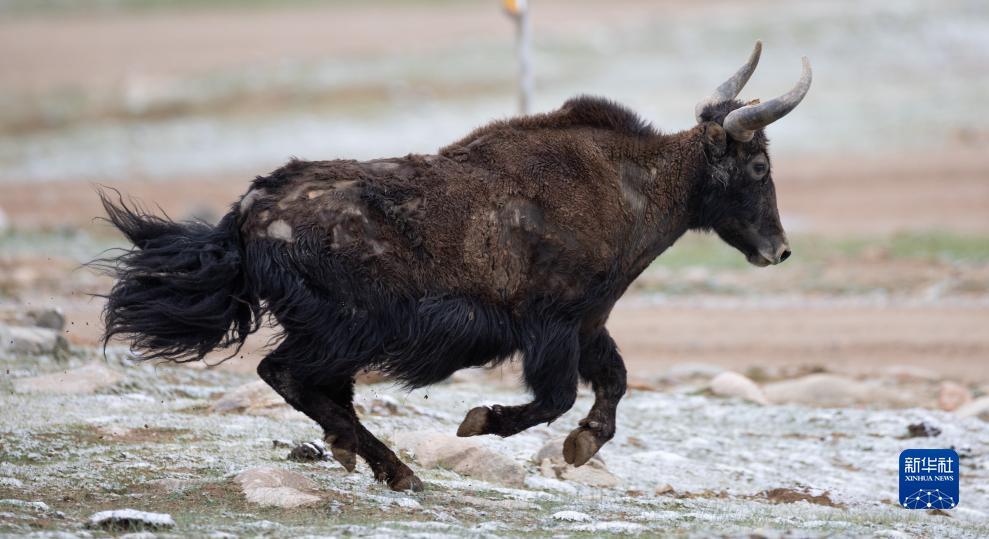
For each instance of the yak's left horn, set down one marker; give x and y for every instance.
(730, 88)
(743, 122)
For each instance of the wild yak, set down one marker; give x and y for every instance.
(516, 240)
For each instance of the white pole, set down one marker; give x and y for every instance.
(525, 65)
(518, 10)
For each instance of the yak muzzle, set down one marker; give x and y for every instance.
(771, 254)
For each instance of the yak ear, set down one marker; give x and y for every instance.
(715, 139)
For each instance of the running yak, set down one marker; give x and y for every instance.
(516, 240)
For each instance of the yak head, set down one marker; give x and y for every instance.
(738, 199)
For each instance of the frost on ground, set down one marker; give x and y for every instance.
(684, 463)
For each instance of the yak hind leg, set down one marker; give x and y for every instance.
(602, 366)
(550, 371)
(384, 463)
(338, 425)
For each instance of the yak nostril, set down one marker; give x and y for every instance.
(785, 255)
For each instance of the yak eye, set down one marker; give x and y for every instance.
(758, 168)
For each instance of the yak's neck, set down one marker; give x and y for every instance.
(676, 167)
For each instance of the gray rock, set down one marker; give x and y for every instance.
(274, 487)
(130, 520)
(553, 466)
(31, 341)
(255, 398)
(82, 381)
(828, 390)
(952, 396)
(51, 318)
(465, 456)
(977, 408)
(732, 384)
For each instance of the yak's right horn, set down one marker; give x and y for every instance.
(731, 87)
(743, 122)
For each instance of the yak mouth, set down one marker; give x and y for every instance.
(757, 259)
(758, 250)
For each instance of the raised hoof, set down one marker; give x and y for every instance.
(346, 457)
(308, 451)
(582, 444)
(406, 482)
(475, 423)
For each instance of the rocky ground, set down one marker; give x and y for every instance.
(699, 451)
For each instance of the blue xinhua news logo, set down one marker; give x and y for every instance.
(929, 479)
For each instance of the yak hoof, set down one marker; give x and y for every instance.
(406, 482)
(580, 446)
(346, 457)
(475, 423)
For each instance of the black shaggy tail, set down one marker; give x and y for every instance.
(181, 290)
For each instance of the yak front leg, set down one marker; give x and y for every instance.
(602, 366)
(550, 371)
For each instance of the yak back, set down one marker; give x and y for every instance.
(516, 212)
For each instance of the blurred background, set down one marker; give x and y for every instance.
(882, 173)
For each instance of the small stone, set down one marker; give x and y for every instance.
(952, 396)
(464, 456)
(552, 465)
(51, 318)
(255, 398)
(31, 341)
(732, 384)
(274, 487)
(308, 451)
(977, 408)
(593, 474)
(922, 430)
(82, 381)
(664, 489)
(130, 520)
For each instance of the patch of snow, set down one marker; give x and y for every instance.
(130, 518)
(10, 482)
(614, 526)
(37, 506)
(571, 516)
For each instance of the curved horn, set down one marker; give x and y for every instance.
(731, 87)
(742, 123)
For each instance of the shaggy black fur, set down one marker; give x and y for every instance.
(181, 291)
